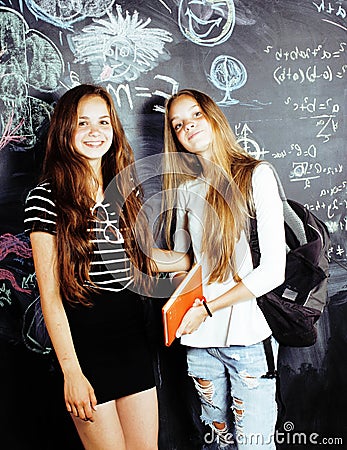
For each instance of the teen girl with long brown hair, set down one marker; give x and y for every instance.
(92, 254)
(215, 186)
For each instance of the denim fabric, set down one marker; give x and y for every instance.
(238, 395)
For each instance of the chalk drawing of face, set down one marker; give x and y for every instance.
(206, 22)
(120, 57)
(120, 48)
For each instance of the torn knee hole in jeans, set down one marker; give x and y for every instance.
(205, 389)
(224, 436)
(238, 408)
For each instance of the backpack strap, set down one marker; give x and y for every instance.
(271, 370)
(290, 216)
(255, 252)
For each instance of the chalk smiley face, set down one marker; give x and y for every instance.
(206, 22)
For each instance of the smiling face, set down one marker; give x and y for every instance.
(206, 22)
(190, 125)
(93, 134)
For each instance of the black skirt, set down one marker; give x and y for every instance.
(112, 345)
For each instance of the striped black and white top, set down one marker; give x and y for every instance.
(110, 266)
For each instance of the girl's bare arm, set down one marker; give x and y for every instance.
(79, 396)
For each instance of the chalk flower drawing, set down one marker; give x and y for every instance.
(12, 244)
(121, 48)
(9, 135)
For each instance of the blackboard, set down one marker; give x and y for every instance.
(277, 68)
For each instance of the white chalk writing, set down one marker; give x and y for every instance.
(5, 295)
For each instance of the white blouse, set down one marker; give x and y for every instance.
(243, 323)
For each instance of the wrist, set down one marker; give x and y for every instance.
(203, 313)
(70, 368)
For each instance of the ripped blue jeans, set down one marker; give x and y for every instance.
(233, 393)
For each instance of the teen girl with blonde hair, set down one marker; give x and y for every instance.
(214, 186)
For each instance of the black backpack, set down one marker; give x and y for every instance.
(293, 308)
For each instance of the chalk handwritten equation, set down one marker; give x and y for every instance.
(334, 9)
(312, 163)
(311, 69)
(312, 72)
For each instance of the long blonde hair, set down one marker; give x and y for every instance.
(229, 193)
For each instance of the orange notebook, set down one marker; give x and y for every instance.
(180, 301)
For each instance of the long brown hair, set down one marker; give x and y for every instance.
(229, 193)
(73, 184)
